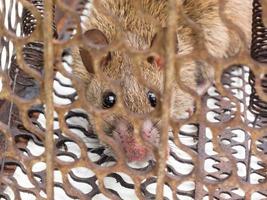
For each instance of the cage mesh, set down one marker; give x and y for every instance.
(220, 156)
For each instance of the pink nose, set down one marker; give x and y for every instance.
(133, 150)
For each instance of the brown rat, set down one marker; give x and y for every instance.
(101, 28)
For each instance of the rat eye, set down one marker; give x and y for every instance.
(108, 99)
(151, 59)
(152, 99)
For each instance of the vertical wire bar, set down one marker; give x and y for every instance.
(168, 83)
(264, 11)
(48, 87)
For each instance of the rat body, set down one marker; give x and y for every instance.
(112, 20)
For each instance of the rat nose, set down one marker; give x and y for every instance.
(134, 150)
(139, 152)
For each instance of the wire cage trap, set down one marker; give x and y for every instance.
(222, 156)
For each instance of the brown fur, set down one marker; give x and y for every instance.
(120, 19)
(139, 31)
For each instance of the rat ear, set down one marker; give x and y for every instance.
(95, 39)
(158, 44)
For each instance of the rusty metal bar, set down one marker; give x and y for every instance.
(264, 8)
(48, 88)
(168, 84)
(219, 184)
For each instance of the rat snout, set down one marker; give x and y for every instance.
(134, 151)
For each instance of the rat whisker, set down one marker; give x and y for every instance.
(154, 126)
(112, 126)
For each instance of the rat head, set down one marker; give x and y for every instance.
(136, 97)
